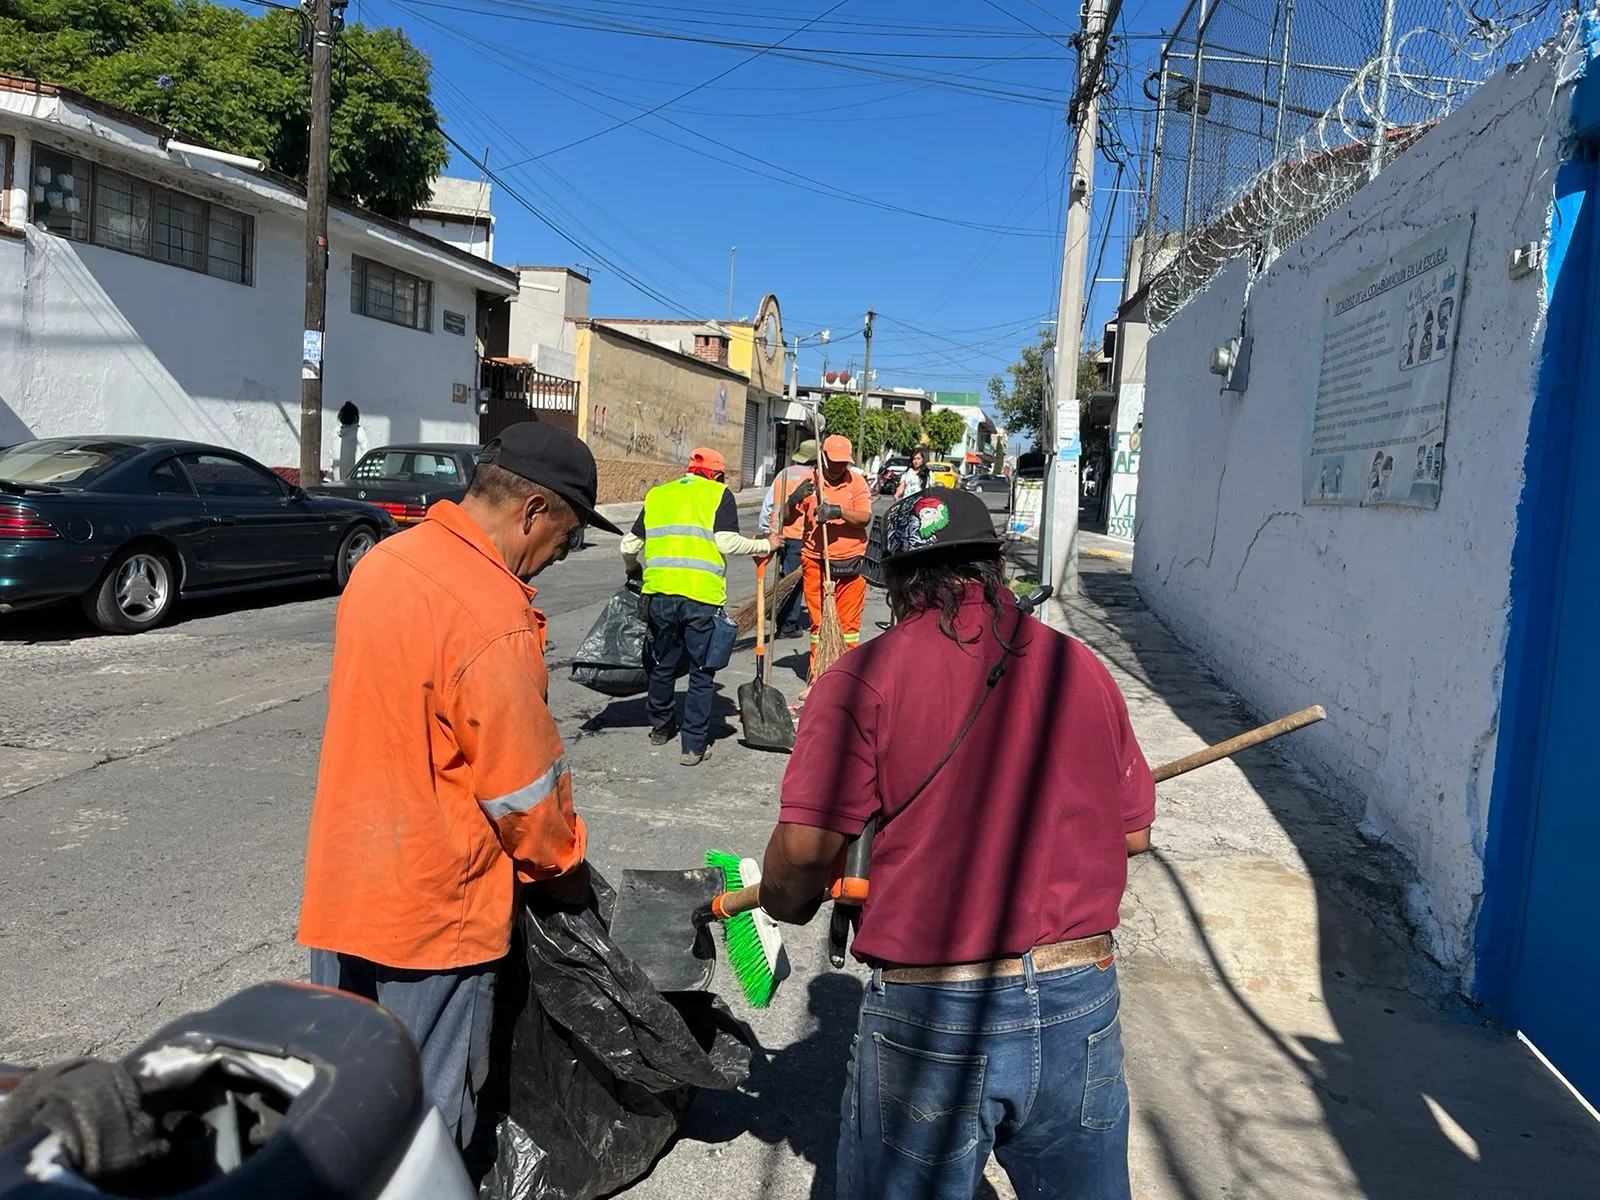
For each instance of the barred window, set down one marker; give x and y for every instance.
(77, 200)
(386, 294)
(180, 231)
(228, 245)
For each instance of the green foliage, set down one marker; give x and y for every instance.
(841, 414)
(238, 82)
(877, 433)
(943, 429)
(904, 431)
(1021, 406)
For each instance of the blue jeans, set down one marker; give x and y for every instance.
(1031, 1068)
(449, 1015)
(791, 617)
(680, 626)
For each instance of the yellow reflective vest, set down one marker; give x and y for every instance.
(680, 556)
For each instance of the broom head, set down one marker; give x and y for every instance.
(830, 647)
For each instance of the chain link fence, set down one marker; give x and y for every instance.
(1271, 113)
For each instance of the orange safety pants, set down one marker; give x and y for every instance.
(850, 598)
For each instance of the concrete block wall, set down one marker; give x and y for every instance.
(1395, 619)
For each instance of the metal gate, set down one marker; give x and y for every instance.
(1551, 794)
(751, 460)
(513, 391)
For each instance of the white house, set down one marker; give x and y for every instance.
(154, 288)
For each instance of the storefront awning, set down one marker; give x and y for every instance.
(974, 460)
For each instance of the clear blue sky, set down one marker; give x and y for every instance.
(947, 115)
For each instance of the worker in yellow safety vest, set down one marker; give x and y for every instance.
(682, 540)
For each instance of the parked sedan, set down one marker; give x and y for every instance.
(404, 480)
(129, 525)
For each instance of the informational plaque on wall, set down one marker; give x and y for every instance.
(1376, 428)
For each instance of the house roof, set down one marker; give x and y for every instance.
(219, 172)
(613, 332)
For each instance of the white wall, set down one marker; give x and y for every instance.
(96, 341)
(542, 315)
(475, 237)
(1393, 618)
(1122, 511)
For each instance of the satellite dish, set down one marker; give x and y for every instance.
(832, 377)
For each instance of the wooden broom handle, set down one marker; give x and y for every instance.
(1262, 733)
(746, 899)
(761, 611)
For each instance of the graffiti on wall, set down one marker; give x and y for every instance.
(597, 420)
(1126, 461)
(1120, 523)
(677, 427)
(720, 413)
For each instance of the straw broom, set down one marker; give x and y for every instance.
(745, 615)
(830, 647)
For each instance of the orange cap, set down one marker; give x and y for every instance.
(704, 458)
(837, 448)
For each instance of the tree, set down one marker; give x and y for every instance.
(877, 433)
(1021, 406)
(904, 431)
(944, 429)
(841, 414)
(218, 75)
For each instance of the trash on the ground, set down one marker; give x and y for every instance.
(610, 659)
(602, 1065)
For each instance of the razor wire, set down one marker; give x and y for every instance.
(1272, 113)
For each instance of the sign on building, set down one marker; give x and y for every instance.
(455, 322)
(1377, 422)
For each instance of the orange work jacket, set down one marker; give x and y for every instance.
(442, 776)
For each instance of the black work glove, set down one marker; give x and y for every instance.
(800, 493)
(829, 512)
(634, 582)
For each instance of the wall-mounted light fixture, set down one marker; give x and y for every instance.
(1231, 360)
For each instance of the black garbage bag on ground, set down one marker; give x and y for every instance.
(611, 658)
(602, 1066)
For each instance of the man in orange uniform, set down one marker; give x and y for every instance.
(803, 466)
(443, 781)
(845, 510)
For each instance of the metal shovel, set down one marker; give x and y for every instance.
(768, 723)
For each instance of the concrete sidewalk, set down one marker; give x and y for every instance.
(1283, 1039)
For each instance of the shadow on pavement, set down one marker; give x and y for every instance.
(1242, 1087)
(65, 622)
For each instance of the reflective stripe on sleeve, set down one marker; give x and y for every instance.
(527, 797)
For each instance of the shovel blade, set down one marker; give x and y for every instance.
(768, 723)
(654, 925)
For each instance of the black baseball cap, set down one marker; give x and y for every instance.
(552, 458)
(937, 518)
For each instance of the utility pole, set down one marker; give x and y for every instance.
(323, 16)
(866, 390)
(1058, 543)
(732, 250)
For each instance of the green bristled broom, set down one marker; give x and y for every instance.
(750, 937)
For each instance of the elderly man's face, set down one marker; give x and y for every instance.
(542, 535)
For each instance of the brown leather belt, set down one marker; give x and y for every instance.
(1057, 957)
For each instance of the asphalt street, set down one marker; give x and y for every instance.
(154, 795)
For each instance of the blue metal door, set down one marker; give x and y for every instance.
(1555, 985)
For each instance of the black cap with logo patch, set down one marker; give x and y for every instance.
(554, 459)
(937, 518)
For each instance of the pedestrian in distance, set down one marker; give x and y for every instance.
(443, 782)
(802, 466)
(1004, 815)
(845, 510)
(914, 478)
(679, 546)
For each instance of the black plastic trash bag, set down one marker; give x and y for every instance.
(602, 1066)
(611, 659)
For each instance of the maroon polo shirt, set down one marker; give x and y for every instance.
(1018, 842)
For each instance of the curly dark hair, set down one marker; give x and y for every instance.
(937, 580)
